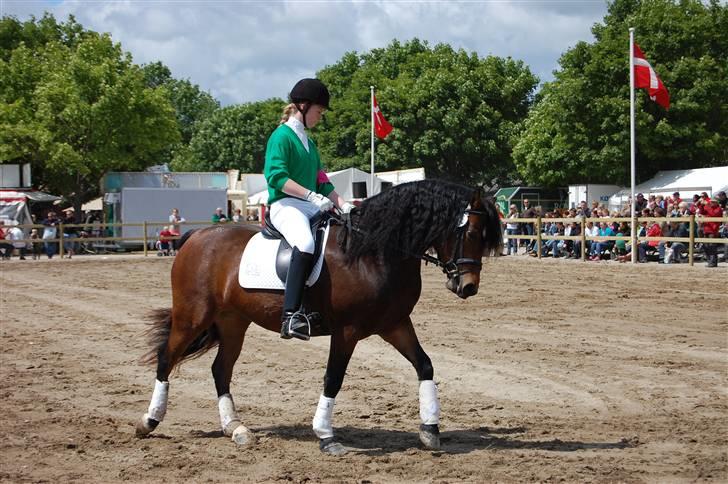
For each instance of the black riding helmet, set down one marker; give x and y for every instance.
(311, 91)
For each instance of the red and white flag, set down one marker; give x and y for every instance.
(381, 127)
(646, 77)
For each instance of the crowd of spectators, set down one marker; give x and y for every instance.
(601, 247)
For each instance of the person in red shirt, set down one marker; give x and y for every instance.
(710, 230)
(163, 244)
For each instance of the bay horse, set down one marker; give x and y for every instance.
(369, 284)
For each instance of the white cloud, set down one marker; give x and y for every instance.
(250, 50)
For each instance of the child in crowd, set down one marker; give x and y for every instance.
(36, 244)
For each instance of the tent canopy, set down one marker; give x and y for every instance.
(687, 182)
(34, 195)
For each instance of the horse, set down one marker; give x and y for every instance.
(369, 284)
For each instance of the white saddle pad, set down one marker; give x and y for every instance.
(258, 264)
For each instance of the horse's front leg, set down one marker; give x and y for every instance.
(342, 347)
(404, 339)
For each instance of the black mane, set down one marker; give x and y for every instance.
(405, 220)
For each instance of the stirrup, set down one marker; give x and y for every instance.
(288, 332)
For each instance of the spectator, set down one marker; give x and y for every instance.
(672, 252)
(527, 227)
(722, 200)
(511, 230)
(590, 231)
(640, 204)
(218, 216)
(620, 246)
(5, 245)
(601, 246)
(16, 235)
(583, 210)
(175, 219)
(710, 230)
(654, 230)
(164, 243)
(50, 232)
(252, 215)
(69, 232)
(237, 216)
(568, 246)
(36, 245)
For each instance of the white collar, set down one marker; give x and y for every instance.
(299, 129)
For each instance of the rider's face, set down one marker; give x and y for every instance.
(314, 115)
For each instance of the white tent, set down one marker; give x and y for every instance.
(687, 182)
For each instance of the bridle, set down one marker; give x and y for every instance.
(451, 268)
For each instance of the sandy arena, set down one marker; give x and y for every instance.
(557, 370)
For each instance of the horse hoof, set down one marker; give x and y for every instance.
(243, 436)
(430, 436)
(145, 427)
(328, 446)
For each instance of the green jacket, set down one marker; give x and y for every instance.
(286, 158)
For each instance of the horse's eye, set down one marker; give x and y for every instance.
(471, 234)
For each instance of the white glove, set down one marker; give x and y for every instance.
(321, 202)
(347, 207)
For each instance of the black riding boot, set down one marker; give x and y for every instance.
(294, 323)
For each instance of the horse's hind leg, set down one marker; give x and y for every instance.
(232, 335)
(404, 339)
(174, 340)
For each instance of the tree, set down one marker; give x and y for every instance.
(454, 113)
(233, 137)
(579, 128)
(77, 110)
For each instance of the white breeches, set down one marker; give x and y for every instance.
(291, 216)
(322, 420)
(158, 405)
(429, 406)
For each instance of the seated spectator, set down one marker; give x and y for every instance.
(601, 246)
(252, 215)
(640, 203)
(672, 252)
(590, 231)
(16, 235)
(164, 245)
(5, 245)
(653, 230)
(583, 210)
(237, 216)
(567, 246)
(218, 216)
(36, 244)
(620, 246)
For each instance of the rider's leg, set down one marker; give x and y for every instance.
(291, 217)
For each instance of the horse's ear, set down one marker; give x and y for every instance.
(478, 196)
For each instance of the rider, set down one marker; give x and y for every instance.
(298, 189)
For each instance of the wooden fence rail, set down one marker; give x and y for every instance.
(690, 241)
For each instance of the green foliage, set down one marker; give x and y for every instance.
(579, 129)
(453, 112)
(75, 106)
(233, 137)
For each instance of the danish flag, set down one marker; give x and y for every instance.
(646, 77)
(381, 127)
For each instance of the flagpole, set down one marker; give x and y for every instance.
(371, 109)
(633, 215)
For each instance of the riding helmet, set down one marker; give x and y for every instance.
(310, 90)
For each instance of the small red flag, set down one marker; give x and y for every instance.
(646, 77)
(381, 127)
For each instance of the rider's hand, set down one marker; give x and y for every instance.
(347, 207)
(321, 202)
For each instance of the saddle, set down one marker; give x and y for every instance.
(319, 225)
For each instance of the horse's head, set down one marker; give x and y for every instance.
(478, 234)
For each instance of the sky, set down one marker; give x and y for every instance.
(242, 51)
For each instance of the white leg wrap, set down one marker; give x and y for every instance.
(158, 405)
(322, 420)
(227, 410)
(429, 406)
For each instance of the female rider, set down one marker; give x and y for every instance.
(298, 189)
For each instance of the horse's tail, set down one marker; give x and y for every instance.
(493, 229)
(184, 237)
(158, 336)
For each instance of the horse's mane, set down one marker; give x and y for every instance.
(405, 220)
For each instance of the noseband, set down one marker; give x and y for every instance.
(452, 267)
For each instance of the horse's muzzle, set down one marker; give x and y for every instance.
(462, 290)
